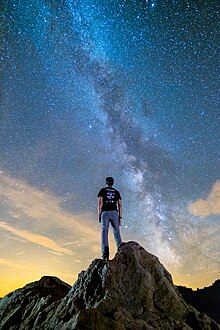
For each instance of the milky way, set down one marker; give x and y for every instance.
(121, 88)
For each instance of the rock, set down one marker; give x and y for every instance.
(132, 291)
(24, 307)
(206, 300)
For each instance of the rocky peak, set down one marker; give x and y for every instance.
(206, 300)
(19, 308)
(132, 291)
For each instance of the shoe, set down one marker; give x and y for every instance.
(106, 254)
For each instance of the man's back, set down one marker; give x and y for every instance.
(110, 198)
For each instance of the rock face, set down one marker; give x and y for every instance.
(132, 291)
(206, 300)
(23, 307)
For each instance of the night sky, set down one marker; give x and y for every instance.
(91, 89)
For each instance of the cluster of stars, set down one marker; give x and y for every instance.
(121, 88)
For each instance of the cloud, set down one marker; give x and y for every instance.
(33, 268)
(16, 265)
(15, 274)
(44, 211)
(36, 238)
(209, 206)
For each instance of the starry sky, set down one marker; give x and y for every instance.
(93, 88)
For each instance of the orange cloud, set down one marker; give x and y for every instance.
(36, 238)
(22, 273)
(209, 206)
(32, 219)
(44, 209)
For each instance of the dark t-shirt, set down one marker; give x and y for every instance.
(110, 197)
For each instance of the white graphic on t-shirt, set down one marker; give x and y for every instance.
(110, 196)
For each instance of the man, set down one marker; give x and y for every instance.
(109, 211)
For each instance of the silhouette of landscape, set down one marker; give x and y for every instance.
(131, 291)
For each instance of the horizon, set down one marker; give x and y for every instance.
(91, 89)
(71, 284)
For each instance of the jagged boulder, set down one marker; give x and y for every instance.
(132, 291)
(22, 308)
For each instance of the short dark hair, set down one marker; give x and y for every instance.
(109, 181)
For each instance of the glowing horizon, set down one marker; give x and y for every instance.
(72, 251)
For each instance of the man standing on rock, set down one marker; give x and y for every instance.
(109, 210)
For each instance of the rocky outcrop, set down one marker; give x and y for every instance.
(206, 300)
(23, 307)
(132, 291)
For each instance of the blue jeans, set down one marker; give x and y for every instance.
(106, 218)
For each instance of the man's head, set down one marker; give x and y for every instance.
(109, 181)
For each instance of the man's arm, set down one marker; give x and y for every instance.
(100, 203)
(119, 210)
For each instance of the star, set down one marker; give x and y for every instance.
(114, 88)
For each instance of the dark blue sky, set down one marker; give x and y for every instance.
(122, 88)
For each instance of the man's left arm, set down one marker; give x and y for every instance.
(100, 203)
(119, 211)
